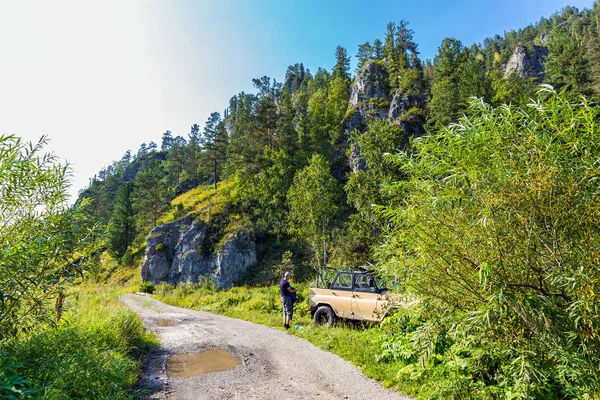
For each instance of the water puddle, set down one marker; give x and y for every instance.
(166, 322)
(192, 364)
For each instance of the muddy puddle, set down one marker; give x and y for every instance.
(166, 322)
(192, 364)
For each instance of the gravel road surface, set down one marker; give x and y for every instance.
(274, 364)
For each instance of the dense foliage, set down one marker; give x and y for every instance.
(40, 237)
(498, 232)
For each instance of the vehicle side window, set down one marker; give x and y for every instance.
(364, 283)
(343, 281)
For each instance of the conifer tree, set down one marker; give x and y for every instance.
(365, 53)
(377, 49)
(175, 161)
(341, 68)
(122, 223)
(567, 65)
(167, 140)
(444, 106)
(214, 143)
(191, 156)
(149, 194)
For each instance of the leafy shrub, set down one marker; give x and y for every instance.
(498, 234)
(13, 385)
(93, 357)
(147, 287)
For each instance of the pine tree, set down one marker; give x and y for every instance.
(365, 53)
(214, 143)
(121, 230)
(567, 64)
(191, 156)
(341, 68)
(167, 141)
(149, 194)
(377, 49)
(444, 106)
(175, 161)
(143, 150)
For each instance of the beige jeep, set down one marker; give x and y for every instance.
(347, 294)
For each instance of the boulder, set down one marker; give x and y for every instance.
(174, 254)
(527, 61)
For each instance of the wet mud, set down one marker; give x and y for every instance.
(192, 364)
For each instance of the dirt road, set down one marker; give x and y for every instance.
(274, 364)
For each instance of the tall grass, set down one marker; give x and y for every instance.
(95, 353)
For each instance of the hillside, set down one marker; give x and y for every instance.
(468, 182)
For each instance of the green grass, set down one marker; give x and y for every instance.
(202, 201)
(95, 353)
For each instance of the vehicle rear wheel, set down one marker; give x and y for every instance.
(324, 316)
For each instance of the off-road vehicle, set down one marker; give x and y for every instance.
(345, 293)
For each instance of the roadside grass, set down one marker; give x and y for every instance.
(358, 343)
(95, 352)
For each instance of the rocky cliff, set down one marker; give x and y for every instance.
(370, 98)
(175, 253)
(527, 61)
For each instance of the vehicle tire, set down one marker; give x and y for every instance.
(324, 316)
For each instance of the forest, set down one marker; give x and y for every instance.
(469, 182)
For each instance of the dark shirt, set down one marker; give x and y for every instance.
(283, 288)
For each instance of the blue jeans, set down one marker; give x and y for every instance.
(288, 308)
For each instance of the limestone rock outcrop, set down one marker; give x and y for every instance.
(527, 61)
(369, 95)
(175, 253)
(406, 111)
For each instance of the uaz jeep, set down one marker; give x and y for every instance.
(344, 293)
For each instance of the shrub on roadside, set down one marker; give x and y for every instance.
(147, 287)
(95, 355)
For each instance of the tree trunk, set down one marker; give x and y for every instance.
(59, 306)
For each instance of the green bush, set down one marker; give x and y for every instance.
(12, 384)
(497, 232)
(95, 356)
(147, 287)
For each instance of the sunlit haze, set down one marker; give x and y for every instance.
(100, 78)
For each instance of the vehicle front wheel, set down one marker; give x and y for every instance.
(324, 316)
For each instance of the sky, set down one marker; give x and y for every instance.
(101, 77)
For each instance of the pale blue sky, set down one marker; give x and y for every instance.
(102, 77)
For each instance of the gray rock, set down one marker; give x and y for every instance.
(355, 159)
(369, 99)
(369, 95)
(371, 83)
(229, 126)
(527, 61)
(174, 254)
(399, 114)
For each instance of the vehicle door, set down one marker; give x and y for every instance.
(341, 290)
(366, 299)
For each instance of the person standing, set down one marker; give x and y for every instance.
(285, 291)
